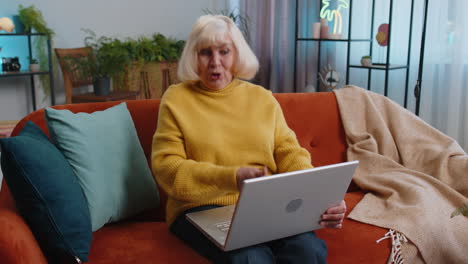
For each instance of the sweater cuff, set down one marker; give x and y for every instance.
(228, 178)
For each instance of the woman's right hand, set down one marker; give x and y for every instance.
(244, 173)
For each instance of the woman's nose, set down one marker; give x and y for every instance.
(215, 59)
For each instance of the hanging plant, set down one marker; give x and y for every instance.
(32, 19)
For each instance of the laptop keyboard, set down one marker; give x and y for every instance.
(223, 226)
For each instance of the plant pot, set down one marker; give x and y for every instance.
(102, 86)
(19, 26)
(367, 62)
(34, 67)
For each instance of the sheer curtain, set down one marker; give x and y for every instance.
(444, 94)
(272, 32)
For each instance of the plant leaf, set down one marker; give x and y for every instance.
(460, 211)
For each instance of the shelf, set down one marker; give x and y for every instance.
(22, 34)
(27, 73)
(339, 40)
(314, 13)
(380, 67)
(21, 73)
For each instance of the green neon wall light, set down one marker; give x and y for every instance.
(334, 14)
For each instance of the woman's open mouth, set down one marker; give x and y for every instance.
(215, 76)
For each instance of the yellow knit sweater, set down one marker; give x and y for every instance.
(203, 137)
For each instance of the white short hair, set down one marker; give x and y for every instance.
(209, 30)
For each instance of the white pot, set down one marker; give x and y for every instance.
(366, 62)
(34, 67)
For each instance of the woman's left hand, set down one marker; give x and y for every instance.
(333, 217)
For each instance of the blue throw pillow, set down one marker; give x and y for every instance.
(47, 194)
(106, 155)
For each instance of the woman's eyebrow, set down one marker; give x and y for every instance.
(224, 45)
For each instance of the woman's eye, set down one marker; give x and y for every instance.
(224, 52)
(205, 52)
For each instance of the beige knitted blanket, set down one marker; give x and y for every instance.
(415, 176)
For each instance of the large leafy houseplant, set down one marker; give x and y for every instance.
(149, 57)
(33, 19)
(107, 59)
(152, 49)
(125, 61)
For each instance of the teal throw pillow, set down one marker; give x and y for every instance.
(47, 194)
(106, 155)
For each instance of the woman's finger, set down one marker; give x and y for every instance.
(332, 217)
(331, 224)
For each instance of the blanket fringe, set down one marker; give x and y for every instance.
(397, 239)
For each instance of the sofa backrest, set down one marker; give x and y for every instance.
(316, 120)
(313, 116)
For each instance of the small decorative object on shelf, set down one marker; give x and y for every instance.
(329, 77)
(19, 26)
(366, 61)
(11, 64)
(324, 28)
(382, 35)
(6, 24)
(33, 65)
(382, 40)
(316, 30)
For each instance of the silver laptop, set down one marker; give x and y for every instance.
(276, 206)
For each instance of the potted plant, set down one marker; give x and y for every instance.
(153, 64)
(366, 61)
(106, 60)
(32, 19)
(33, 65)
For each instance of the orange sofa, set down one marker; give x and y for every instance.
(145, 239)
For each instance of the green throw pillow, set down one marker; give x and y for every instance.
(106, 155)
(47, 195)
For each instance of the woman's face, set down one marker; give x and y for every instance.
(215, 64)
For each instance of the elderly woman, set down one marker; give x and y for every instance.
(204, 147)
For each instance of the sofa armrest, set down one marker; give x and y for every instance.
(18, 244)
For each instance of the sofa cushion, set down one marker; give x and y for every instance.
(106, 156)
(152, 242)
(140, 242)
(47, 194)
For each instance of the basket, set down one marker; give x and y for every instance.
(150, 79)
